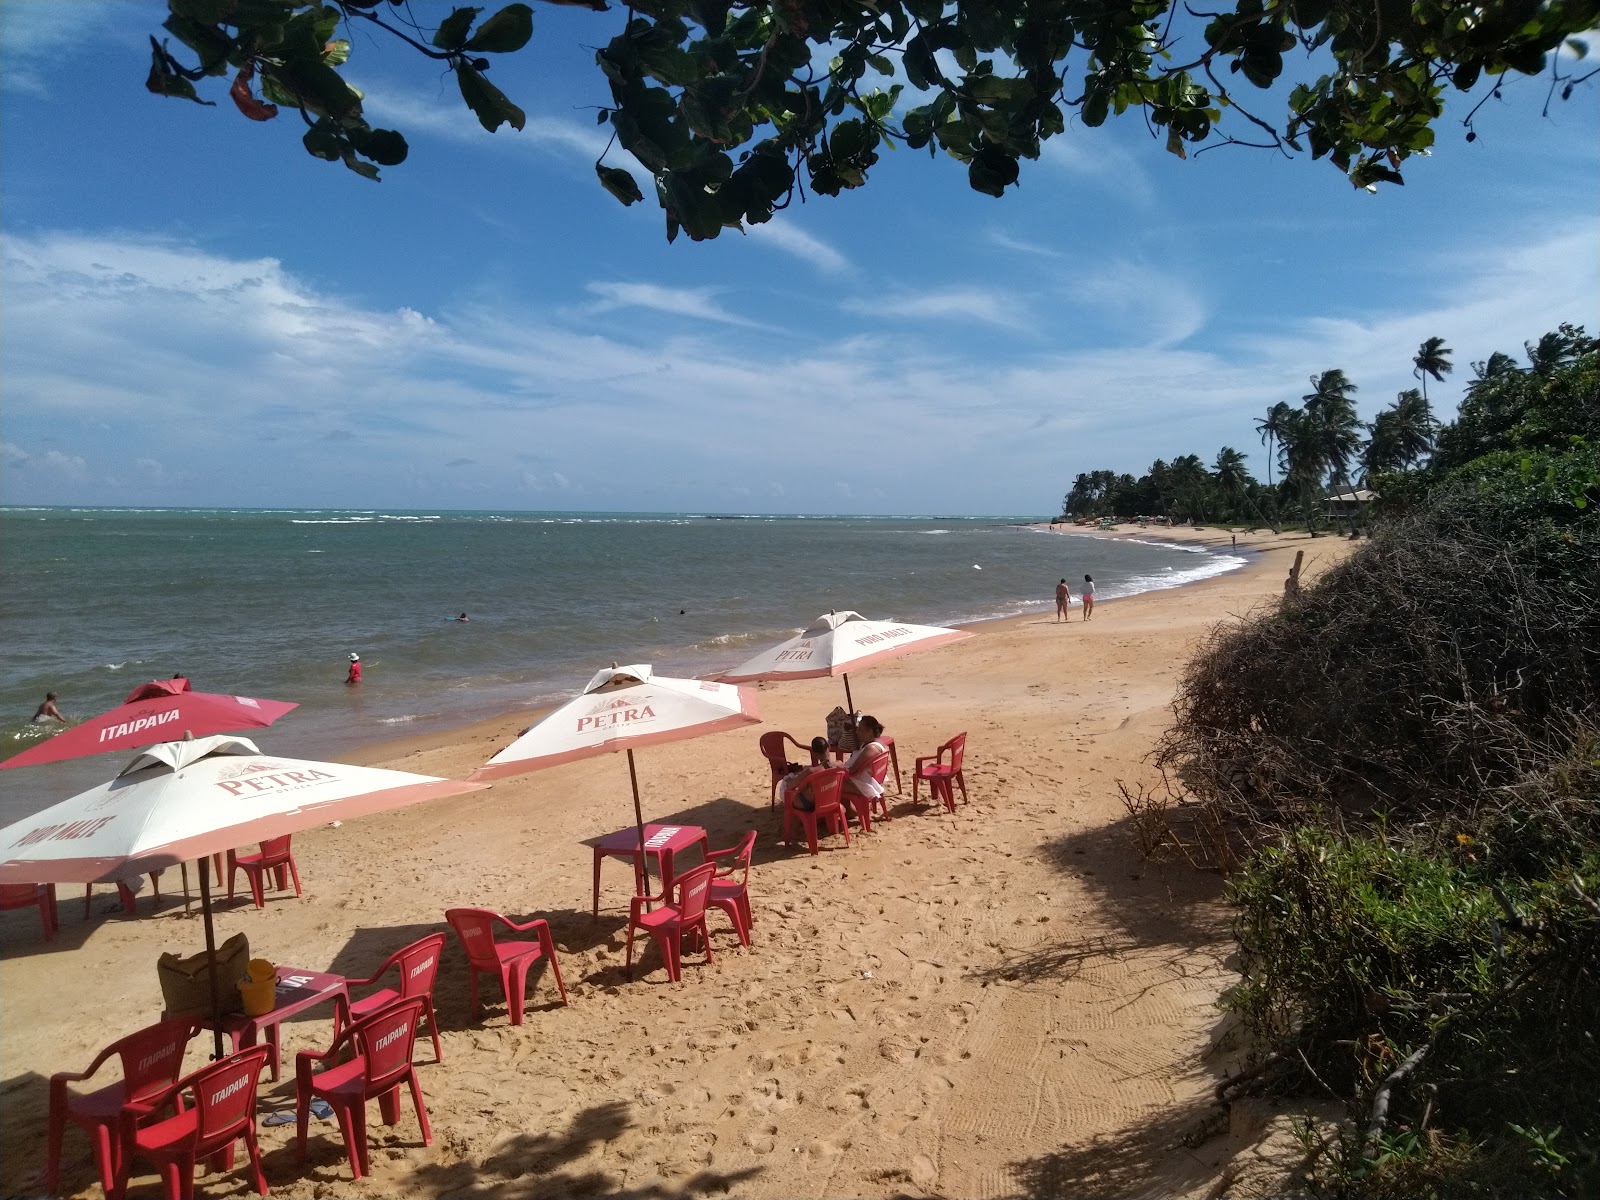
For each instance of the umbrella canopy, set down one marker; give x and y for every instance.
(160, 714)
(185, 800)
(620, 709)
(191, 799)
(837, 643)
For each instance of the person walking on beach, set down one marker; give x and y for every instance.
(1063, 601)
(354, 676)
(48, 711)
(1088, 596)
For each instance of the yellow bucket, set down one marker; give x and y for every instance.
(258, 989)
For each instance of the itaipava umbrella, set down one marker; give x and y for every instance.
(837, 643)
(192, 799)
(621, 708)
(156, 712)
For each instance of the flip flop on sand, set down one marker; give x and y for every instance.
(320, 1109)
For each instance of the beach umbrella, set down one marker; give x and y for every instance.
(837, 643)
(620, 709)
(192, 799)
(154, 712)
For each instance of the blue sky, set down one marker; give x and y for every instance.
(194, 312)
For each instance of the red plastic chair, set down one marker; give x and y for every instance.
(224, 1111)
(381, 1047)
(731, 896)
(671, 923)
(152, 1059)
(275, 857)
(940, 774)
(508, 961)
(826, 788)
(879, 769)
(418, 964)
(33, 895)
(887, 743)
(772, 750)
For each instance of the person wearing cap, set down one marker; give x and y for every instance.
(355, 669)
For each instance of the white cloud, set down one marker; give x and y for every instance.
(697, 303)
(70, 465)
(239, 377)
(950, 304)
(781, 235)
(151, 468)
(33, 33)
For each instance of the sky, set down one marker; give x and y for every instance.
(196, 313)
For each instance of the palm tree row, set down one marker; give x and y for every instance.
(1314, 446)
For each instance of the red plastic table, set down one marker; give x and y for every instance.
(298, 989)
(661, 841)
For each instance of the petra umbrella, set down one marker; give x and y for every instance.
(155, 712)
(837, 643)
(624, 707)
(192, 799)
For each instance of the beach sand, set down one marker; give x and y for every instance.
(1007, 1001)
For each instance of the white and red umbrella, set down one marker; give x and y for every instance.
(621, 708)
(192, 799)
(837, 643)
(158, 712)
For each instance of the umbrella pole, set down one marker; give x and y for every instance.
(849, 704)
(211, 957)
(184, 867)
(638, 821)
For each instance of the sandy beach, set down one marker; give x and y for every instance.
(1007, 1001)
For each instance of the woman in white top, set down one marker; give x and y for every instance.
(860, 779)
(1088, 596)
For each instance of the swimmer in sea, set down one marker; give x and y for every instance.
(462, 617)
(48, 711)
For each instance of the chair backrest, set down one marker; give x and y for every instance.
(742, 859)
(152, 1057)
(957, 747)
(19, 895)
(385, 1040)
(879, 766)
(772, 750)
(826, 787)
(693, 890)
(419, 963)
(225, 1093)
(475, 928)
(275, 848)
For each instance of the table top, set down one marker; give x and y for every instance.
(656, 839)
(298, 988)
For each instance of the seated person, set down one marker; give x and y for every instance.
(794, 782)
(860, 766)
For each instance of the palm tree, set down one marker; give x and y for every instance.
(1432, 358)
(1302, 460)
(1414, 426)
(1383, 452)
(1271, 430)
(1231, 479)
(1330, 413)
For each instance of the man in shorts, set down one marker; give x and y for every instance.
(1063, 601)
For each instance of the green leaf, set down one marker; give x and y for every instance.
(164, 81)
(488, 101)
(452, 31)
(383, 146)
(619, 183)
(337, 52)
(505, 32)
(1579, 49)
(323, 140)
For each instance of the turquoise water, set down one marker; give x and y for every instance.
(271, 603)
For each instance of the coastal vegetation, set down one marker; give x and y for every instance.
(732, 109)
(1400, 767)
(1316, 445)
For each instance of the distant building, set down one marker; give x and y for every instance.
(1348, 504)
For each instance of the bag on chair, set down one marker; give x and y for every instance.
(186, 982)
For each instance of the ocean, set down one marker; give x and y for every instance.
(271, 603)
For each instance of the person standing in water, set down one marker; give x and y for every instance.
(48, 711)
(1088, 596)
(354, 676)
(1063, 601)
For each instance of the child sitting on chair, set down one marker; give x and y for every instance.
(797, 776)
